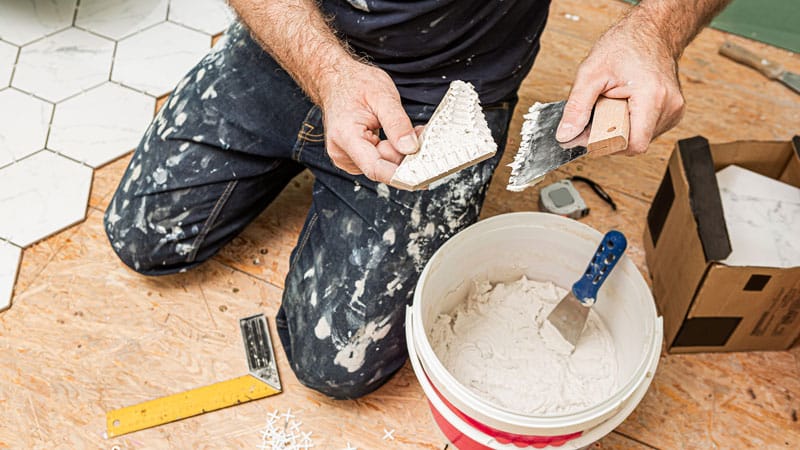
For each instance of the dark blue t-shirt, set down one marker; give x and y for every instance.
(426, 44)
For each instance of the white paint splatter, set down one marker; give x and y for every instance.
(183, 249)
(389, 236)
(393, 286)
(167, 132)
(309, 273)
(313, 298)
(351, 355)
(322, 330)
(160, 175)
(355, 300)
(200, 74)
(209, 93)
(430, 228)
(139, 221)
(383, 190)
(436, 21)
(175, 234)
(414, 251)
(180, 119)
(135, 174)
(174, 160)
(113, 218)
(416, 214)
(162, 124)
(359, 4)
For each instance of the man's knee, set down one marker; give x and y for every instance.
(338, 383)
(138, 249)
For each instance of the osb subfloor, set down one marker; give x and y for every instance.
(85, 335)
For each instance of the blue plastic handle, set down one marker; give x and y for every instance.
(606, 256)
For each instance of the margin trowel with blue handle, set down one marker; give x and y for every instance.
(569, 316)
(539, 151)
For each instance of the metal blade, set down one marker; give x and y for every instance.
(539, 151)
(569, 318)
(792, 80)
(258, 347)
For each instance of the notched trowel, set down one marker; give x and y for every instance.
(539, 151)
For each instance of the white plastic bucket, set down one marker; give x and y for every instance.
(542, 247)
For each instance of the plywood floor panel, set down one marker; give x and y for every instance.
(264, 247)
(105, 182)
(96, 336)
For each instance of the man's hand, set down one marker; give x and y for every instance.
(637, 60)
(357, 101)
(620, 66)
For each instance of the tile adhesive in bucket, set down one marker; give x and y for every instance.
(540, 247)
(523, 368)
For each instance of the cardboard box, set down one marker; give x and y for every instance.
(707, 305)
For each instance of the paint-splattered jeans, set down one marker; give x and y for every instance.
(234, 132)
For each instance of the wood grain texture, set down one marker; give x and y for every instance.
(105, 182)
(86, 335)
(610, 128)
(263, 248)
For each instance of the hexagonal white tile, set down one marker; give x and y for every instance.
(156, 59)
(24, 120)
(63, 64)
(209, 16)
(116, 19)
(8, 57)
(9, 263)
(42, 194)
(23, 21)
(100, 125)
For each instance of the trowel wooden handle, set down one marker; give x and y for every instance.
(742, 55)
(611, 125)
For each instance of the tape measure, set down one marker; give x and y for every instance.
(263, 381)
(563, 199)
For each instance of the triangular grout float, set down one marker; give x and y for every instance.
(456, 137)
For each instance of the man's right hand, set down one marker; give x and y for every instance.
(358, 101)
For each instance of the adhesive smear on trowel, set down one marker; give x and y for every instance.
(456, 137)
(539, 151)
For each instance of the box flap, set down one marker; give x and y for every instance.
(791, 173)
(704, 197)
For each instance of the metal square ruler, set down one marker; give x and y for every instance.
(262, 381)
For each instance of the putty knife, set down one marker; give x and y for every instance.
(569, 316)
(539, 151)
(771, 70)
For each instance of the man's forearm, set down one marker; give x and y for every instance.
(674, 23)
(295, 33)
